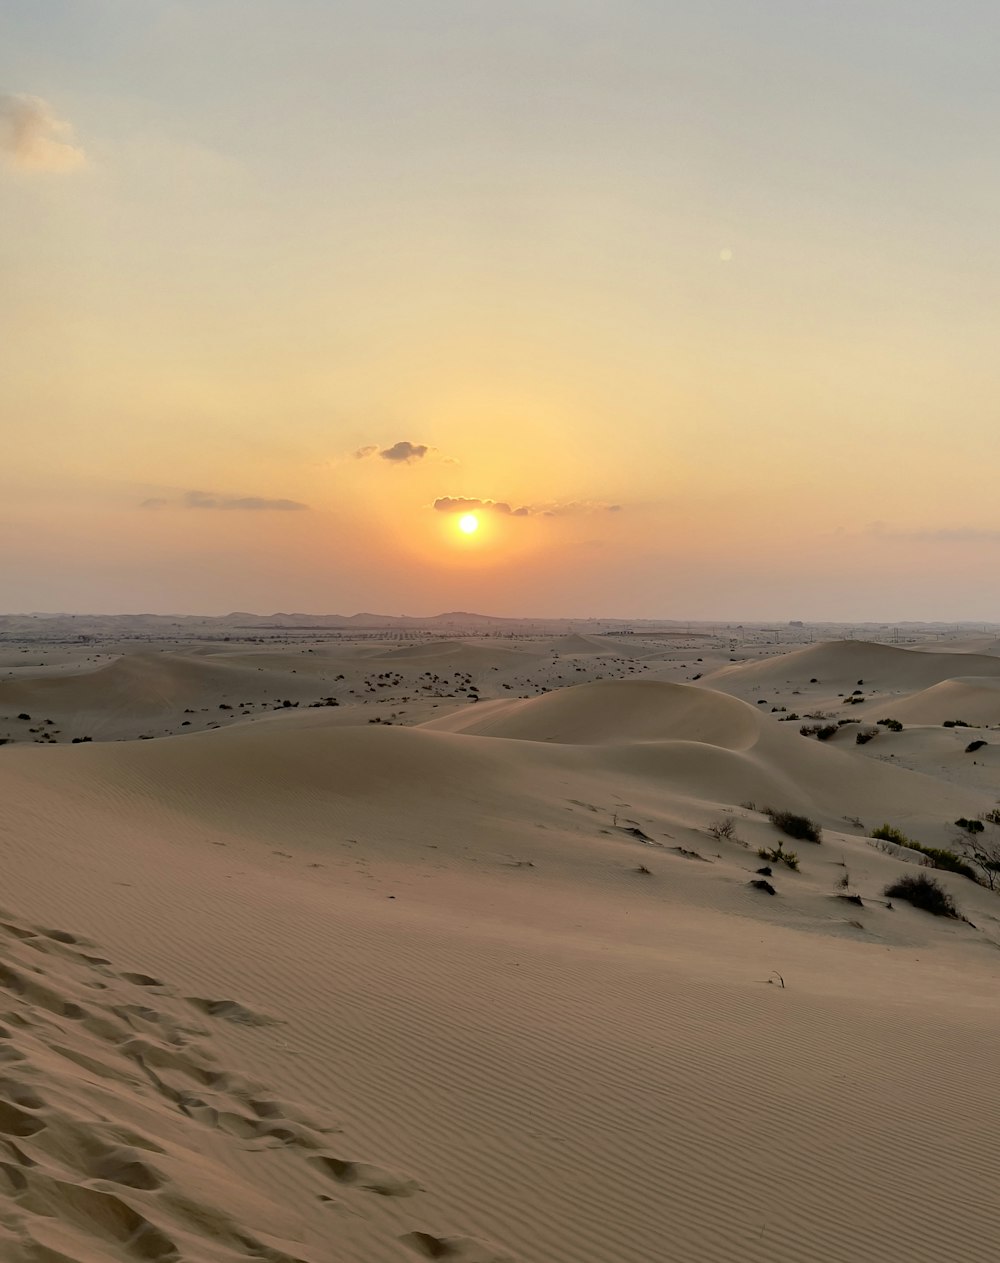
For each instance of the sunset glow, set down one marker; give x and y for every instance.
(625, 294)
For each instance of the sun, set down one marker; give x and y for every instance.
(468, 523)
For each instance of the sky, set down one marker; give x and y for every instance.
(693, 307)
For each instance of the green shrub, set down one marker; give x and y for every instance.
(865, 735)
(892, 724)
(970, 826)
(925, 893)
(947, 861)
(889, 833)
(800, 827)
(776, 855)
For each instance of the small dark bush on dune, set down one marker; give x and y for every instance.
(924, 893)
(724, 828)
(778, 855)
(794, 826)
(973, 746)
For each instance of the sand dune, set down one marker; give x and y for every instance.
(840, 664)
(974, 699)
(577, 645)
(613, 710)
(145, 688)
(290, 990)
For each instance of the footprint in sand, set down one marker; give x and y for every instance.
(461, 1249)
(363, 1175)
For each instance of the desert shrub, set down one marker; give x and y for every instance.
(826, 732)
(724, 828)
(970, 826)
(892, 724)
(948, 861)
(776, 855)
(889, 833)
(800, 827)
(993, 816)
(975, 745)
(865, 735)
(954, 723)
(24, 715)
(925, 893)
(764, 885)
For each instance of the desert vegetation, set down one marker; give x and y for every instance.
(799, 827)
(925, 893)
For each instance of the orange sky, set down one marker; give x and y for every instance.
(711, 301)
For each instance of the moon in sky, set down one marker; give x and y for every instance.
(468, 523)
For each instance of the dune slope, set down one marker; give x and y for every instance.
(486, 989)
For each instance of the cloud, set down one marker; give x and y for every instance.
(460, 504)
(245, 504)
(402, 453)
(939, 535)
(569, 508)
(34, 139)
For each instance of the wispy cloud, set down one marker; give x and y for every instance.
(402, 453)
(205, 500)
(33, 138)
(567, 508)
(938, 535)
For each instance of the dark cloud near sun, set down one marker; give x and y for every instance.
(570, 508)
(240, 504)
(402, 453)
(461, 504)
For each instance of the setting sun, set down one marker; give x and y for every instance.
(468, 523)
